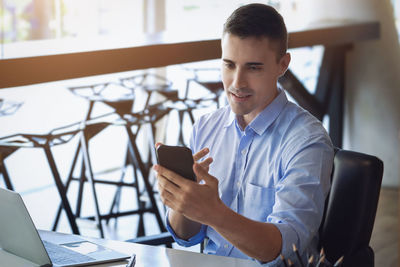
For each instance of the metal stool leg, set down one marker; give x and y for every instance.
(191, 115)
(82, 180)
(145, 173)
(6, 177)
(61, 190)
(117, 196)
(180, 114)
(70, 178)
(85, 154)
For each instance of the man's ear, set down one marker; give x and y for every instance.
(284, 64)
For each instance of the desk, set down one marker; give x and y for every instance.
(159, 256)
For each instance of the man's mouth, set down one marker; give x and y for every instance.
(240, 97)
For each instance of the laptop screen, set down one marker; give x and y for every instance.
(18, 234)
(19, 237)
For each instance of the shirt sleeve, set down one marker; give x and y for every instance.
(300, 193)
(194, 240)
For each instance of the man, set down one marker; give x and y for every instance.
(271, 160)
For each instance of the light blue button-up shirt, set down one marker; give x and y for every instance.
(277, 170)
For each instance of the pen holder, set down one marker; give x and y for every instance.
(312, 261)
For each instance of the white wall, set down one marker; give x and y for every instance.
(372, 110)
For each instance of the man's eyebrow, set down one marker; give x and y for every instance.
(227, 60)
(254, 63)
(247, 64)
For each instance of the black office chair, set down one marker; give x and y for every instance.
(349, 210)
(351, 207)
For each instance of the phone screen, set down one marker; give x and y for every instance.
(178, 159)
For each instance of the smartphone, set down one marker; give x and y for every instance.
(178, 159)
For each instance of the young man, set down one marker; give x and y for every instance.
(271, 160)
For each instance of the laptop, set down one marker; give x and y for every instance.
(21, 244)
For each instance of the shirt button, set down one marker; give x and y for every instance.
(244, 151)
(238, 184)
(226, 246)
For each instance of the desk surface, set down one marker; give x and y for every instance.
(160, 256)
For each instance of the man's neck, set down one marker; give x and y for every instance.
(241, 121)
(244, 120)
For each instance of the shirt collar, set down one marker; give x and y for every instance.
(231, 118)
(266, 117)
(269, 114)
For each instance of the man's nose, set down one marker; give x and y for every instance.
(239, 80)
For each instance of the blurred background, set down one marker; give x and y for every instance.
(31, 28)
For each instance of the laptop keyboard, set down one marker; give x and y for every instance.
(63, 256)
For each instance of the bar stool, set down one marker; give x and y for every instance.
(150, 84)
(187, 106)
(122, 105)
(171, 97)
(7, 108)
(148, 117)
(4, 153)
(95, 93)
(214, 85)
(46, 141)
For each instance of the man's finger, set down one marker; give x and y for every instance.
(166, 185)
(203, 175)
(201, 154)
(206, 163)
(171, 176)
(169, 203)
(165, 194)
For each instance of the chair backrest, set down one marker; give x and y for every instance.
(351, 207)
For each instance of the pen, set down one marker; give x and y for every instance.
(132, 261)
(338, 262)
(321, 261)
(283, 260)
(297, 255)
(322, 252)
(310, 261)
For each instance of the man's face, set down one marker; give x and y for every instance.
(250, 71)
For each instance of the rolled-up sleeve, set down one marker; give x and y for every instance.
(194, 240)
(300, 194)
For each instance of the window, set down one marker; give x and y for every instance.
(396, 9)
(39, 27)
(206, 17)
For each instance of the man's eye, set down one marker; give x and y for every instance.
(229, 66)
(255, 68)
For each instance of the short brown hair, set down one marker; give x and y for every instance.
(258, 20)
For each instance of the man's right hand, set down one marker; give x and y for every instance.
(184, 227)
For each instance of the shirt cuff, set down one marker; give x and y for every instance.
(194, 240)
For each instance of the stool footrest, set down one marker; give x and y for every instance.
(119, 214)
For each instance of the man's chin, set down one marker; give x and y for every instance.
(239, 111)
